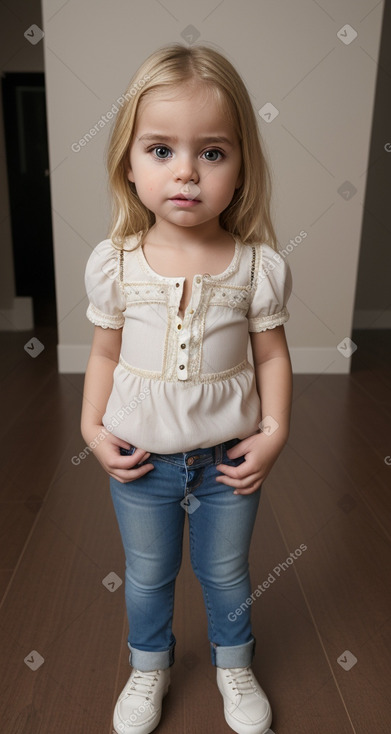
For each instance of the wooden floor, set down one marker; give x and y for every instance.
(330, 490)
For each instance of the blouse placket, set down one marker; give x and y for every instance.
(185, 328)
(184, 335)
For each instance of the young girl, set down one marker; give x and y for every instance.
(186, 423)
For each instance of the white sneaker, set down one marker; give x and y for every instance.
(246, 707)
(139, 706)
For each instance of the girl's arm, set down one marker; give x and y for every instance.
(98, 383)
(273, 372)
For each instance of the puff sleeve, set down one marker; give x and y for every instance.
(272, 288)
(106, 300)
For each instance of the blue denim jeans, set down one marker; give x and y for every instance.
(151, 512)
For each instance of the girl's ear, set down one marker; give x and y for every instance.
(129, 174)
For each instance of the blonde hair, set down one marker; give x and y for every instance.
(248, 214)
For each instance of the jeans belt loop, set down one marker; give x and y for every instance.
(218, 453)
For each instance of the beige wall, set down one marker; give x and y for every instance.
(17, 54)
(289, 55)
(373, 302)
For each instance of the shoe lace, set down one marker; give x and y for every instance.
(142, 682)
(242, 678)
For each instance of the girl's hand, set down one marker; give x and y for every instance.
(107, 451)
(260, 452)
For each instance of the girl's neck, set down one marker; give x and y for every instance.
(209, 233)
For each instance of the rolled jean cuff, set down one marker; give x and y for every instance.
(236, 656)
(151, 660)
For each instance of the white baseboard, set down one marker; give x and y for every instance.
(319, 360)
(372, 319)
(18, 318)
(305, 360)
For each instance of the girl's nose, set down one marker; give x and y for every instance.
(185, 169)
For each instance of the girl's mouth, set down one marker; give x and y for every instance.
(185, 203)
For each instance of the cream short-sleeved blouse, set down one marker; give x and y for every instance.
(184, 383)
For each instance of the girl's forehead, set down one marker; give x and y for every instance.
(200, 102)
(202, 105)
(193, 94)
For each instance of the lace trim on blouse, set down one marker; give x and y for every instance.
(106, 321)
(262, 323)
(211, 377)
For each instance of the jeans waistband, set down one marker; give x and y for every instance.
(198, 457)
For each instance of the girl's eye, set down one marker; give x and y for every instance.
(160, 152)
(158, 149)
(213, 152)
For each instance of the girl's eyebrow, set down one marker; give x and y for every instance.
(173, 139)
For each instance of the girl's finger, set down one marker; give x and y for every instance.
(123, 475)
(242, 483)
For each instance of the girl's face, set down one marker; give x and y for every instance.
(177, 149)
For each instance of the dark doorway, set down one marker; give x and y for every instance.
(29, 191)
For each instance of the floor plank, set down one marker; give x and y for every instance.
(59, 539)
